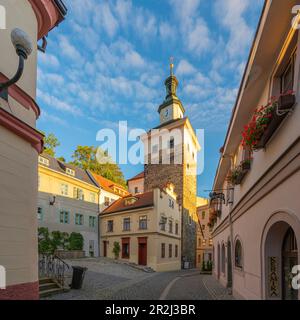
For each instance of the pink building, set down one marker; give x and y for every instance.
(255, 209)
(20, 142)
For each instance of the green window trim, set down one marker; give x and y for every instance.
(64, 217)
(92, 221)
(79, 219)
(40, 214)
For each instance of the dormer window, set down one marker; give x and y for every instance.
(70, 172)
(130, 201)
(43, 161)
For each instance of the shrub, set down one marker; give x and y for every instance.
(75, 241)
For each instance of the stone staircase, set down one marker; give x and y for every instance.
(48, 287)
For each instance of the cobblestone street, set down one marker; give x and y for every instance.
(108, 280)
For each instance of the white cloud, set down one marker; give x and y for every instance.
(194, 30)
(48, 60)
(58, 104)
(230, 15)
(185, 68)
(46, 117)
(167, 32)
(109, 22)
(68, 49)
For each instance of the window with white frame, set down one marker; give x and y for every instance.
(171, 203)
(238, 253)
(70, 172)
(126, 224)
(143, 223)
(43, 161)
(163, 222)
(170, 226)
(92, 197)
(64, 189)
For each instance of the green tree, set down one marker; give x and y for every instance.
(98, 161)
(50, 144)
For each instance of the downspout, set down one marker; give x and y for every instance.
(231, 231)
(98, 230)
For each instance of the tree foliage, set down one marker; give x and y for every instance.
(98, 161)
(49, 242)
(76, 241)
(50, 144)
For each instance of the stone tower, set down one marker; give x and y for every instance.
(176, 162)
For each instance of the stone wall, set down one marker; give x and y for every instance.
(158, 175)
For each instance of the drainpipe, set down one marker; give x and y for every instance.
(98, 230)
(231, 230)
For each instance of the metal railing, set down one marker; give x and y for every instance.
(53, 267)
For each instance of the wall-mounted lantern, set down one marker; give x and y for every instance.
(23, 46)
(52, 200)
(216, 202)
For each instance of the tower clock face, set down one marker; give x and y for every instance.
(166, 113)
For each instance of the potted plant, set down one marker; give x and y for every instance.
(246, 164)
(116, 249)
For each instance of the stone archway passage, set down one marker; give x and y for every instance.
(280, 257)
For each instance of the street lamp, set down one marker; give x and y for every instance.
(23, 46)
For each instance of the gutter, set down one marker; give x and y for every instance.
(61, 7)
(240, 88)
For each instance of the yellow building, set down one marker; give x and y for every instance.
(147, 227)
(204, 251)
(68, 201)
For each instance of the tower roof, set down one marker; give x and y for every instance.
(171, 84)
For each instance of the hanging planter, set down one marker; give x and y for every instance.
(237, 175)
(266, 120)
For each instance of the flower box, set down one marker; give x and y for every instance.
(285, 104)
(238, 173)
(266, 121)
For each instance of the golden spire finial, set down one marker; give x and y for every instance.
(171, 65)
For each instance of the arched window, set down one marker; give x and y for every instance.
(238, 253)
(223, 258)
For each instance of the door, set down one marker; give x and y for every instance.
(91, 248)
(104, 248)
(142, 251)
(289, 260)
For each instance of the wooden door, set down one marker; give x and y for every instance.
(142, 251)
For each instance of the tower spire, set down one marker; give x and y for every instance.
(171, 66)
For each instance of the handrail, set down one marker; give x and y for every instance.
(60, 259)
(53, 267)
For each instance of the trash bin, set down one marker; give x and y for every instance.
(78, 276)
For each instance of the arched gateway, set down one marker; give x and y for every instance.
(280, 253)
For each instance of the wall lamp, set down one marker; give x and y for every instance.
(23, 46)
(52, 200)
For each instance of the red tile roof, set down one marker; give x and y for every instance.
(143, 200)
(138, 176)
(108, 185)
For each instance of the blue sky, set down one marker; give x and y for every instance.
(108, 60)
